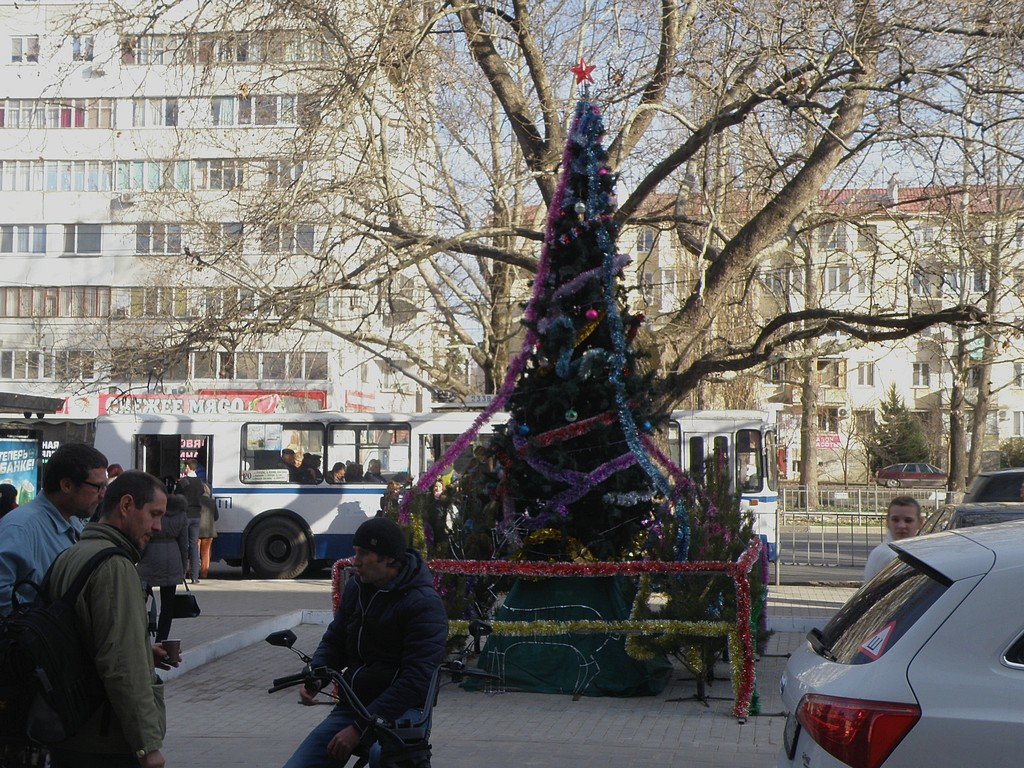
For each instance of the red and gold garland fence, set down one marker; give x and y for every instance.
(739, 636)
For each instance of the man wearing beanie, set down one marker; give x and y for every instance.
(388, 636)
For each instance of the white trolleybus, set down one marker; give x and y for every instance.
(743, 445)
(278, 519)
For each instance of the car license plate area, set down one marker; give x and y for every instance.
(789, 736)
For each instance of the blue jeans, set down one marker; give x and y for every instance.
(312, 752)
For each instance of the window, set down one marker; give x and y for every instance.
(25, 49)
(154, 112)
(776, 373)
(925, 234)
(81, 48)
(697, 456)
(832, 237)
(389, 446)
(275, 365)
(831, 372)
(291, 238)
(837, 279)
(154, 49)
(646, 240)
(140, 174)
(952, 282)
(158, 238)
(158, 302)
(867, 237)
(315, 366)
(1018, 375)
(273, 452)
(973, 376)
(222, 110)
(1018, 423)
(923, 284)
(828, 420)
(922, 375)
(74, 365)
(282, 173)
(864, 422)
(893, 602)
(866, 374)
(669, 284)
(82, 238)
(749, 460)
(227, 236)
(53, 301)
(22, 238)
(221, 174)
(979, 279)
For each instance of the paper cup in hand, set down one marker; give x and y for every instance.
(173, 649)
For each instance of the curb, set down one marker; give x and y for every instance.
(236, 641)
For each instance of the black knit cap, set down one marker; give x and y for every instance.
(380, 535)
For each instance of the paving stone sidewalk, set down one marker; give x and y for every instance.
(220, 715)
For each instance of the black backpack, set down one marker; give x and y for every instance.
(48, 683)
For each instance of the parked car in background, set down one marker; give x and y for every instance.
(972, 515)
(996, 485)
(923, 666)
(912, 475)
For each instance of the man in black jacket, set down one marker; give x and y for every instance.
(388, 636)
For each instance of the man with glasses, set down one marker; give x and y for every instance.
(31, 536)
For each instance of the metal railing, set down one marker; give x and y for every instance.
(844, 524)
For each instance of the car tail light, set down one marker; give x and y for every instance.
(860, 733)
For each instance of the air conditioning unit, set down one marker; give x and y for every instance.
(97, 70)
(126, 198)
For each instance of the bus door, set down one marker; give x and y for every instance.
(164, 456)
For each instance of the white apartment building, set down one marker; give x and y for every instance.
(874, 251)
(146, 174)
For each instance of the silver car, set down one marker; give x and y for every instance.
(924, 666)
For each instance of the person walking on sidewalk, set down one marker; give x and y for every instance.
(388, 636)
(193, 489)
(164, 560)
(32, 535)
(904, 521)
(128, 730)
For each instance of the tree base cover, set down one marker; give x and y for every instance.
(578, 664)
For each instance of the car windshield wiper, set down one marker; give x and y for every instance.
(814, 637)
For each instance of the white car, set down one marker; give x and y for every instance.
(923, 667)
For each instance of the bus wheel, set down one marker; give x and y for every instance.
(277, 549)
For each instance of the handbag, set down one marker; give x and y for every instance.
(185, 606)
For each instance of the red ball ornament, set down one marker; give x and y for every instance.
(592, 314)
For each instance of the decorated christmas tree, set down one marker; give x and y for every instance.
(579, 471)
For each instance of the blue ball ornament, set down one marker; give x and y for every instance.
(646, 426)
(524, 429)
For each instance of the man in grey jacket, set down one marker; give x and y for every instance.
(128, 730)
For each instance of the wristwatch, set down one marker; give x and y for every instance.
(140, 753)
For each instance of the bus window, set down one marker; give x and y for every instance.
(274, 453)
(675, 447)
(721, 450)
(696, 467)
(433, 447)
(369, 454)
(772, 461)
(749, 465)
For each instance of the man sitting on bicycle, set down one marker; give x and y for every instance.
(388, 636)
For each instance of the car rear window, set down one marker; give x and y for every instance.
(879, 614)
(995, 488)
(971, 519)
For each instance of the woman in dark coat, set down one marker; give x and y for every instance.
(165, 559)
